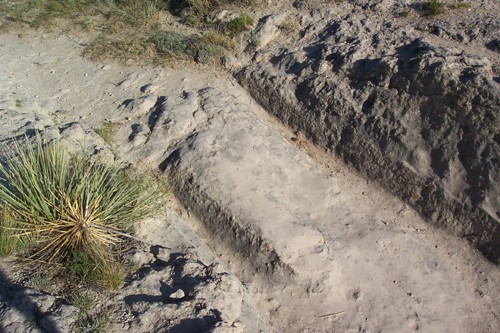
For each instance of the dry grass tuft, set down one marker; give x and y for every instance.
(135, 30)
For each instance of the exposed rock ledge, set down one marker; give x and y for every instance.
(416, 111)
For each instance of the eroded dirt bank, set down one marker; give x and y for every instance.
(410, 101)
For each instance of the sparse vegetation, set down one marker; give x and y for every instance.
(174, 43)
(73, 209)
(82, 301)
(201, 48)
(95, 323)
(107, 131)
(404, 13)
(239, 24)
(197, 10)
(434, 7)
(214, 37)
(210, 47)
(40, 280)
(46, 13)
(290, 26)
(120, 48)
(10, 242)
(85, 269)
(134, 30)
(89, 319)
(460, 5)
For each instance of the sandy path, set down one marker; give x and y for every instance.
(318, 249)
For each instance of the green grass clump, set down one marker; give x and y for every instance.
(239, 24)
(174, 43)
(404, 13)
(434, 7)
(85, 269)
(10, 242)
(192, 11)
(67, 204)
(204, 48)
(127, 14)
(89, 320)
(107, 131)
(460, 5)
(44, 13)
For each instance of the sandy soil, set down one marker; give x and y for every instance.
(288, 239)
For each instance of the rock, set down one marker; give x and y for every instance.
(494, 45)
(223, 16)
(77, 137)
(267, 30)
(178, 294)
(29, 310)
(136, 107)
(60, 319)
(146, 88)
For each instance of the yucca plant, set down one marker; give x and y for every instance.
(71, 204)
